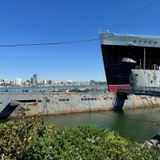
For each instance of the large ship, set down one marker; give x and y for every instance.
(132, 66)
(122, 53)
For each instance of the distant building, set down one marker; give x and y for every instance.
(44, 82)
(34, 79)
(2, 81)
(35, 76)
(27, 83)
(48, 82)
(17, 81)
(31, 80)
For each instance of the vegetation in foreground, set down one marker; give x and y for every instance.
(36, 139)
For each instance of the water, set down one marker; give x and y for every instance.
(137, 125)
(15, 89)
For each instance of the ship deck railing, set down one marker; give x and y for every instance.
(147, 92)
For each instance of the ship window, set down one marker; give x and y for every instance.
(88, 99)
(155, 42)
(27, 101)
(150, 41)
(105, 98)
(145, 42)
(39, 101)
(140, 41)
(134, 41)
(63, 100)
(151, 81)
(48, 100)
(136, 74)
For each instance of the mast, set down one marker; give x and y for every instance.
(144, 59)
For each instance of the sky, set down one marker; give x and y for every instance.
(40, 21)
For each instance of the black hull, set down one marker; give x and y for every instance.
(117, 72)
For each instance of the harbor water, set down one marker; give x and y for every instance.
(137, 125)
(49, 88)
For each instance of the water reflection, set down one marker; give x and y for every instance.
(137, 125)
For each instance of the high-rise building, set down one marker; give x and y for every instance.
(34, 79)
(35, 76)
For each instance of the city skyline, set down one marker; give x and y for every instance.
(37, 79)
(41, 79)
(33, 81)
(55, 21)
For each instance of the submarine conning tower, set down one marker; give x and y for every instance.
(124, 52)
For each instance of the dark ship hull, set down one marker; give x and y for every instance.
(121, 53)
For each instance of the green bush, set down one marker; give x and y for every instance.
(35, 139)
(16, 136)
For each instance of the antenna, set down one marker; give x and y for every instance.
(140, 64)
(144, 59)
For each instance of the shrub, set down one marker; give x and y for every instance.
(36, 139)
(16, 136)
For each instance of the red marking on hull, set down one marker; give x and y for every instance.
(115, 88)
